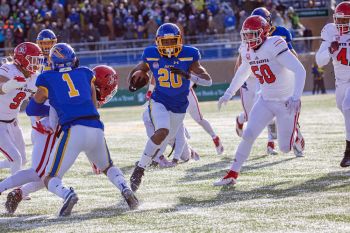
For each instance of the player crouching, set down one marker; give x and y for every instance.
(71, 92)
(282, 80)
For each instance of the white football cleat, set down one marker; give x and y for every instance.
(229, 179)
(162, 161)
(218, 145)
(299, 143)
(271, 149)
(239, 128)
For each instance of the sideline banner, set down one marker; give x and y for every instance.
(126, 98)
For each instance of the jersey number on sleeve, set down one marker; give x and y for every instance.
(18, 100)
(167, 79)
(73, 92)
(265, 73)
(342, 57)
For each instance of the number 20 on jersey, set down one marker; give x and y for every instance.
(169, 79)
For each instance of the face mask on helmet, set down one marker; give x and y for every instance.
(253, 38)
(46, 46)
(342, 22)
(34, 63)
(169, 45)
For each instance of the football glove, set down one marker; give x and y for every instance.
(223, 100)
(334, 47)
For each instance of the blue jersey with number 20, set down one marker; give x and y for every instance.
(171, 89)
(69, 92)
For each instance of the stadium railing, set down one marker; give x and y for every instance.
(219, 49)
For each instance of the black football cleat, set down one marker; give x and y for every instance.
(13, 199)
(69, 202)
(130, 198)
(345, 162)
(136, 177)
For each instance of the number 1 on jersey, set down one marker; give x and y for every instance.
(73, 92)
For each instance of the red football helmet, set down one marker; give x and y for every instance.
(29, 56)
(106, 83)
(255, 30)
(341, 17)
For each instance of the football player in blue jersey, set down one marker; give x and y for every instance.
(46, 39)
(173, 66)
(71, 92)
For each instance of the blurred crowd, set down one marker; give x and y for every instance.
(102, 21)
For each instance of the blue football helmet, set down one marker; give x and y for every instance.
(46, 39)
(263, 12)
(169, 40)
(62, 55)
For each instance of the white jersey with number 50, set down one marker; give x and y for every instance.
(340, 58)
(276, 81)
(10, 103)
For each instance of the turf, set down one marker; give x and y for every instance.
(273, 194)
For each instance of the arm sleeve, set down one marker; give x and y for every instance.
(288, 60)
(41, 82)
(240, 77)
(323, 56)
(35, 109)
(196, 55)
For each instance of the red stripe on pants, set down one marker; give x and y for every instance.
(6, 154)
(43, 156)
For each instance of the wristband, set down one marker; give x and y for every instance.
(200, 81)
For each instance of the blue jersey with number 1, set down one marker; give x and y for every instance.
(69, 93)
(171, 89)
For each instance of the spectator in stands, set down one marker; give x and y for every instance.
(230, 23)
(308, 43)
(104, 33)
(151, 27)
(4, 9)
(18, 35)
(92, 35)
(318, 79)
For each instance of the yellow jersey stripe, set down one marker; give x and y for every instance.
(186, 58)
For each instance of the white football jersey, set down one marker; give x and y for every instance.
(276, 81)
(340, 58)
(10, 103)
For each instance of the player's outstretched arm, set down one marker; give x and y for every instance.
(7, 85)
(93, 95)
(241, 75)
(36, 105)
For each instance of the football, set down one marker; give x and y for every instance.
(138, 80)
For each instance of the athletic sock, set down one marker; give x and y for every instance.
(150, 151)
(115, 175)
(55, 186)
(18, 179)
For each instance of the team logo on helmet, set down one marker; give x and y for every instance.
(22, 49)
(57, 52)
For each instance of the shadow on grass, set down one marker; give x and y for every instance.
(201, 173)
(331, 181)
(33, 221)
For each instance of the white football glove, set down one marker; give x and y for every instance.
(13, 84)
(293, 105)
(224, 99)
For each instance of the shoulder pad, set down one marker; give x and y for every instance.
(328, 32)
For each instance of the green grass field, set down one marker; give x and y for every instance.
(273, 194)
